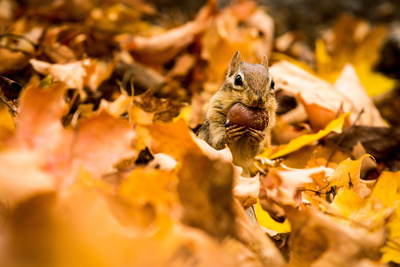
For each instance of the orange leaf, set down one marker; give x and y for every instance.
(38, 122)
(174, 139)
(101, 141)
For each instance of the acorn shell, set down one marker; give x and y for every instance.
(249, 117)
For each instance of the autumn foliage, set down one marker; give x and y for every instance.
(100, 165)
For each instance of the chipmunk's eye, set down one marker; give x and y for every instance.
(238, 80)
(272, 84)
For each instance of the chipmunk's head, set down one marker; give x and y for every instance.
(249, 84)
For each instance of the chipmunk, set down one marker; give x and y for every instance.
(249, 85)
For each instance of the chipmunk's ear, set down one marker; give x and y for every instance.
(264, 61)
(235, 63)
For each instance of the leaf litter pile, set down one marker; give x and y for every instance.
(100, 165)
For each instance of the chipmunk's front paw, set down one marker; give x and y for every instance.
(256, 134)
(233, 133)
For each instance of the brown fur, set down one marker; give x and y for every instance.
(255, 92)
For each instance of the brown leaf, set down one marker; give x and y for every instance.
(162, 48)
(205, 190)
(163, 109)
(256, 240)
(381, 142)
(205, 183)
(319, 240)
(10, 88)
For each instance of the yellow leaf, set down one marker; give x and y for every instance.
(387, 189)
(266, 221)
(357, 43)
(370, 213)
(276, 56)
(381, 208)
(334, 126)
(184, 114)
(324, 62)
(7, 127)
(347, 174)
(375, 83)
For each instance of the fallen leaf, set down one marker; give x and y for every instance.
(334, 245)
(246, 190)
(100, 142)
(357, 43)
(38, 122)
(265, 220)
(335, 126)
(162, 48)
(78, 75)
(380, 142)
(174, 139)
(18, 183)
(7, 126)
(347, 175)
(224, 37)
(350, 86)
(321, 101)
(387, 191)
(256, 240)
(162, 109)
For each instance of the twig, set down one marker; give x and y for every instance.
(15, 112)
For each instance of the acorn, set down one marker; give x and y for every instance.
(249, 117)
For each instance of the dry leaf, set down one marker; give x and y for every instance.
(351, 88)
(334, 245)
(347, 175)
(22, 175)
(335, 126)
(100, 142)
(38, 122)
(78, 75)
(162, 48)
(357, 43)
(224, 37)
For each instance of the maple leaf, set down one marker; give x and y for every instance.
(96, 144)
(347, 174)
(38, 123)
(380, 209)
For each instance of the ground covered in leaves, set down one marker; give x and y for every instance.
(100, 165)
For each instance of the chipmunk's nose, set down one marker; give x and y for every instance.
(258, 102)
